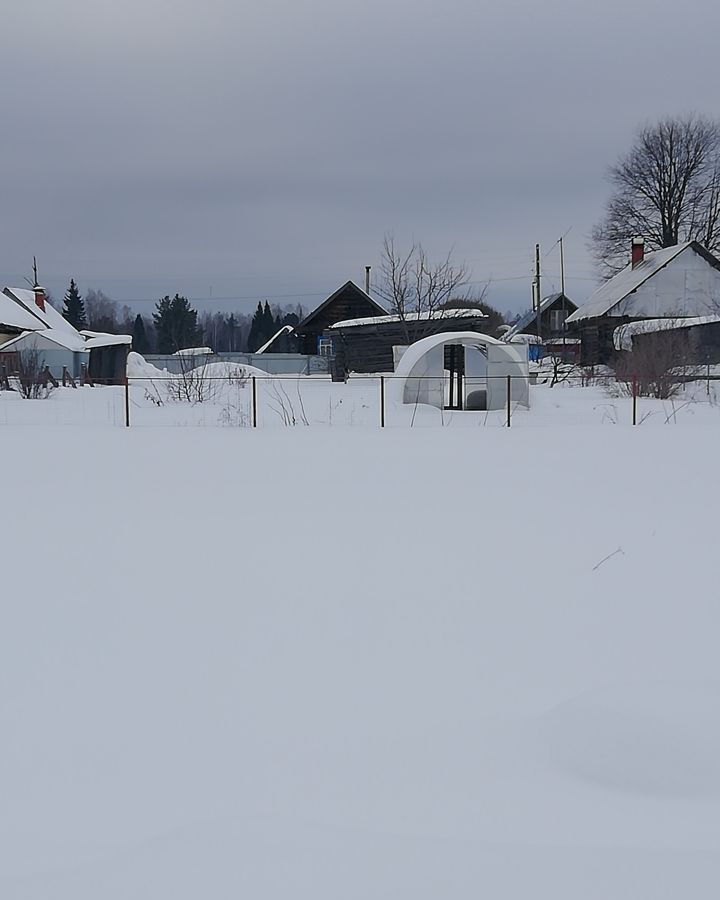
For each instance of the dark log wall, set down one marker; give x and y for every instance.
(596, 335)
(691, 346)
(368, 348)
(108, 365)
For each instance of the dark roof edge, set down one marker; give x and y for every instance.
(318, 309)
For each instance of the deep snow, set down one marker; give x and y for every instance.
(346, 663)
(226, 392)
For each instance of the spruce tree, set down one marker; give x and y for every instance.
(140, 341)
(73, 310)
(176, 324)
(256, 330)
(232, 325)
(269, 324)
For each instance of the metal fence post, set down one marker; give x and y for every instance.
(254, 401)
(382, 401)
(127, 402)
(634, 399)
(509, 398)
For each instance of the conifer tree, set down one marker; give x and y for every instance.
(255, 338)
(73, 310)
(269, 325)
(176, 324)
(140, 341)
(232, 325)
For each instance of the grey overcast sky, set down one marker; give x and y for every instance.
(262, 148)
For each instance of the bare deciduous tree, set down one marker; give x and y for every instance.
(101, 312)
(414, 287)
(666, 189)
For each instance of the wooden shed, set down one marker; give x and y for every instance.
(108, 356)
(366, 345)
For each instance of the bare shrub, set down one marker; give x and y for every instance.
(199, 383)
(32, 379)
(656, 366)
(192, 384)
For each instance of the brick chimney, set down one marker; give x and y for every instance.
(39, 297)
(638, 251)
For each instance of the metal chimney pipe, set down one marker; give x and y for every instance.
(367, 279)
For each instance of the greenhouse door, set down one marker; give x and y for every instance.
(455, 367)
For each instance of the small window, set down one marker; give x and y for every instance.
(325, 346)
(557, 319)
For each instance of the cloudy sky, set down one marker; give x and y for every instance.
(263, 147)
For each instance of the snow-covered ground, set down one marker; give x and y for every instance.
(222, 395)
(350, 663)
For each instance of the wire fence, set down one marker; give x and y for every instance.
(239, 400)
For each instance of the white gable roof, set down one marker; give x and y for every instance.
(95, 339)
(16, 315)
(56, 336)
(49, 316)
(686, 281)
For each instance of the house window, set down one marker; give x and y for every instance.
(325, 346)
(557, 319)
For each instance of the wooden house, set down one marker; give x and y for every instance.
(348, 302)
(672, 283)
(28, 323)
(546, 328)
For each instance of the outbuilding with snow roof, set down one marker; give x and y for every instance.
(675, 282)
(372, 344)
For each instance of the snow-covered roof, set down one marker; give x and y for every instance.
(323, 306)
(55, 335)
(49, 316)
(531, 314)
(522, 339)
(15, 315)
(623, 336)
(18, 309)
(193, 351)
(106, 340)
(435, 315)
(606, 298)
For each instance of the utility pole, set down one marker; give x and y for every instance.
(562, 288)
(536, 287)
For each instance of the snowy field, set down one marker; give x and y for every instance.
(226, 401)
(341, 664)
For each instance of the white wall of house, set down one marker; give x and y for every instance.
(53, 355)
(687, 286)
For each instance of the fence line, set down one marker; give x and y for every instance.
(259, 400)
